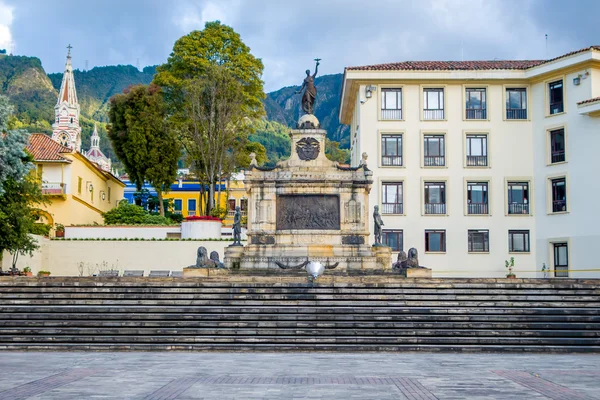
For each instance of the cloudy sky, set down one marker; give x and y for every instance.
(289, 34)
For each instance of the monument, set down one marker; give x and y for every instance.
(308, 208)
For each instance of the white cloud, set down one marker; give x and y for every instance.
(6, 19)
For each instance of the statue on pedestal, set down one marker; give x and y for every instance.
(378, 224)
(310, 94)
(237, 227)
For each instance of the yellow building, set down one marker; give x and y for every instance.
(79, 190)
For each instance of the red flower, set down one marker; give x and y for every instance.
(202, 218)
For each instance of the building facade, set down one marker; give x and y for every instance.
(78, 189)
(95, 155)
(476, 162)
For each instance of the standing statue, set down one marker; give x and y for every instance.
(237, 227)
(378, 224)
(310, 94)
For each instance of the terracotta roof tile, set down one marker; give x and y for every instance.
(595, 99)
(463, 65)
(43, 148)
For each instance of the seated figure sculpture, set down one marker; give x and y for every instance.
(214, 256)
(407, 261)
(202, 260)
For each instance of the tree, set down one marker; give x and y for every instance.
(334, 153)
(20, 190)
(143, 139)
(215, 45)
(130, 214)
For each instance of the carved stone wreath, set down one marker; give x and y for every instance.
(308, 148)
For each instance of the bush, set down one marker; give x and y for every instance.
(219, 212)
(130, 214)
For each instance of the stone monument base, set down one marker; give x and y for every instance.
(191, 272)
(420, 272)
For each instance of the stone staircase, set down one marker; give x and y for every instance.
(270, 313)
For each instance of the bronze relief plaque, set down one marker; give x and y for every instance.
(308, 211)
(308, 148)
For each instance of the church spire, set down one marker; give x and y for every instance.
(95, 137)
(66, 129)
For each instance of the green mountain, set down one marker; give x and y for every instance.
(34, 93)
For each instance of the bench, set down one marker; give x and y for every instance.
(133, 272)
(159, 274)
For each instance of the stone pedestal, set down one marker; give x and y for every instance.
(420, 272)
(233, 255)
(308, 208)
(203, 272)
(384, 257)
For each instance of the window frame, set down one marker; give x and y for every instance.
(514, 181)
(525, 89)
(526, 240)
(384, 136)
(562, 102)
(483, 90)
(553, 133)
(554, 245)
(175, 210)
(400, 240)
(189, 210)
(553, 185)
(472, 182)
(383, 197)
(429, 134)
(549, 131)
(425, 101)
(443, 195)
(486, 241)
(397, 89)
(468, 135)
(443, 246)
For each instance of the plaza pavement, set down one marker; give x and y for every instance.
(186, 376)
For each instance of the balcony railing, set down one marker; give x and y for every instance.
(434, 161)
(516, 113)
(433, 114)
(477, 208)
(435, 208)
(477, 161)
(191, 213)
(518, 208)
(559, 205)
(391, 161)
(231, 213)
(476, 113)
(54, 188)
(391, 114)
(392, 208)
(558, 156)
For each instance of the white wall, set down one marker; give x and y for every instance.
(510, 149)
(63, 257)
(581, 225)
(121, 232)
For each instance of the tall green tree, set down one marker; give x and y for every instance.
(143, 139)
(215, 45)
(20, 189)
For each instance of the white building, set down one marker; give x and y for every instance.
(475, 162)
(95, 155)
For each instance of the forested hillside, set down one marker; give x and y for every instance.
(33, 94)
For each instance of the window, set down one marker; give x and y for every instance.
(518, 197)
(393, 238)
(556, 97)
(559, 194)
(434, 151)
(477, 198)
(191, 207)
(231, 204)
(244, 205)
(518, 241)
(476, 104)
(433, 104)
(477, 151)
(435, 240)
(391, 103)
(561, 260)
(392, 198)
(435, 198)
(479, 241)
(109, 194)
(177, 206)
(391, 150)
(79, 183)
(516, 103)
(557, 146)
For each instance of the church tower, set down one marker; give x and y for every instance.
(95, 154)
(66, 129)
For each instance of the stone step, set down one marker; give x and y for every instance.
(280, 339)
(355, 331)
(194, 318)
(88, 297)
(358, 324)
(303, 303)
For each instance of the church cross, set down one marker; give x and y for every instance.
(69, 47)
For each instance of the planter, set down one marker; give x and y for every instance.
(59, 234)
(511, 276)
(201, 229)
(28, 273)
(43, 274)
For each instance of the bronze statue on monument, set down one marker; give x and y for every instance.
(310, 92)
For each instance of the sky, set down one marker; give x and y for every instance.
(288, 34)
